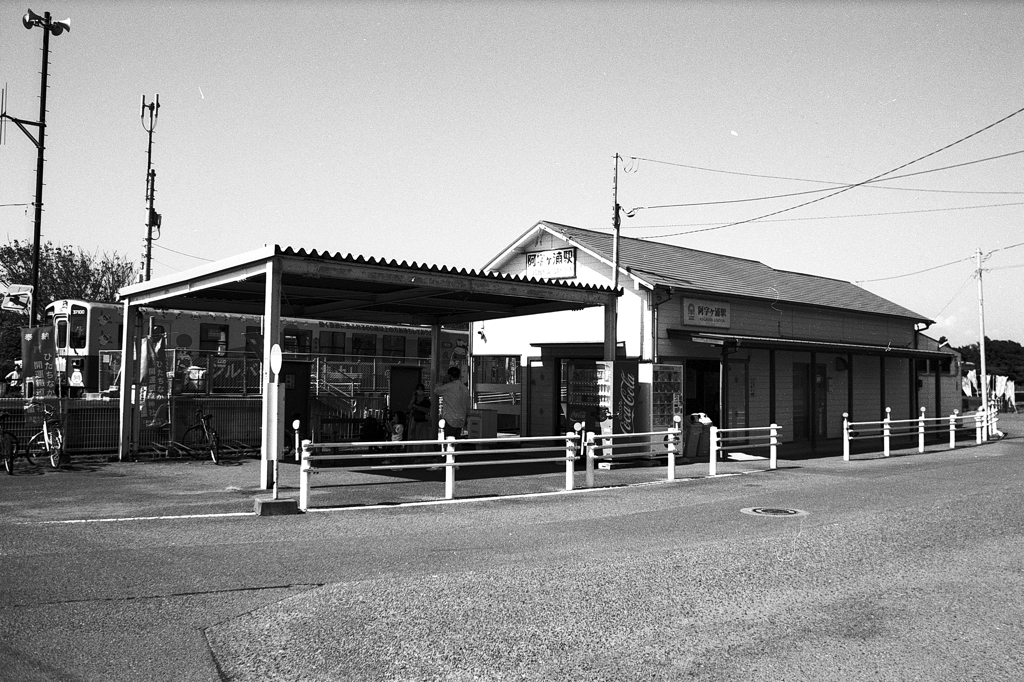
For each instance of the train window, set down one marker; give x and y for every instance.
(62, 333)
(254, 340)
(332, 343)
(76, 327)
(394, 346)
(213, 337)
(423, 347)
(364, 344)
(297, 341)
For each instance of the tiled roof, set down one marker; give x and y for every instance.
(712, 273)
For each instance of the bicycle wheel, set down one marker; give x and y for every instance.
(56, 446)
(213, 444)
(8, 450)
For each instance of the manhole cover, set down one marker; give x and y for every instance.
(773, 511)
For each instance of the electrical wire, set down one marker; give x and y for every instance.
(1004, 248)
(834, 217)
(849, 187)
(842, 184)
(181, 253)
(958, 292)
(909, 274)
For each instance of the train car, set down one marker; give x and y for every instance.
(84, 329)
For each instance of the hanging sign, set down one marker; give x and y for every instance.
(701, 313)
(557, 264)
(18, 298)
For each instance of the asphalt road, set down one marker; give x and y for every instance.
(906, 568)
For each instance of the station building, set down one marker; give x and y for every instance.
(735, 339)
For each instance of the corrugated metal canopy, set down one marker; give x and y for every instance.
(325, 286)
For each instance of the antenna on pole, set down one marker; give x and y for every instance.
(153, 219)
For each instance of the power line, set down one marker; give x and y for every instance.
(909, 274)
(958, 292)
(830, 182)
(181, 253)
(848, 187)
(834, 217)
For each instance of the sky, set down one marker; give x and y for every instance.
(439, 132)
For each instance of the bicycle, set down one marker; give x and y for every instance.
(8, 445)
(201, 437)
(49, 440)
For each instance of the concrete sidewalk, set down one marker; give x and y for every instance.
(94, 490)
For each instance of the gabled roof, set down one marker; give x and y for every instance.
(704, 273)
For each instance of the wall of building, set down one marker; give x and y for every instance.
(762, 318)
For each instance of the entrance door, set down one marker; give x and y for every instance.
(809, 419)
(542, 400)
(703, 388)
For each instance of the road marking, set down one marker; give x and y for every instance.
(138, 518)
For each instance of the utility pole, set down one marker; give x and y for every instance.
(616, 221)
(45, 22)
(981, 349)
(153, 218)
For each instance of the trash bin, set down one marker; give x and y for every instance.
(697, 437)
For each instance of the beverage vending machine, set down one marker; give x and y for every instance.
(605, 396)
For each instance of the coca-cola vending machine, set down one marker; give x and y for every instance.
(622, 410)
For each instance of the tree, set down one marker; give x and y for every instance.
(64, 272)
(1004, 358)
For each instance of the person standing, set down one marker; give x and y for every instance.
(454, 402)
(14, 378)
(419, 422)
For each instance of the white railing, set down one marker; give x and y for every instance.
(888, 428)
(567, 448)
(632, 446)
(750, 438)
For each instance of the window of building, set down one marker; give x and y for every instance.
(423, 347)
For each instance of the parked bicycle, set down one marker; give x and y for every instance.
(8, 445)
(200, 438)
(49, 440)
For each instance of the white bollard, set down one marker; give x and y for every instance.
(449, 470)
(713, 458)
(570, 459)
(588, 454)
(773, 459)
(307, 448)
(673, 438)
(952, 430)
(920, 432)
(886, 430)
(846, 436)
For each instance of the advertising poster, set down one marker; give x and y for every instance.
(153, 392)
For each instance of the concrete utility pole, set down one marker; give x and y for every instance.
(981, 349)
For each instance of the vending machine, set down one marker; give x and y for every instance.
(666, 395)
(605, 396)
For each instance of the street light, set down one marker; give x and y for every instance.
(30, 20)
